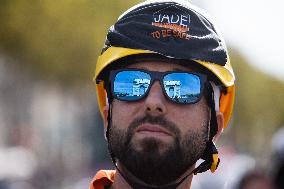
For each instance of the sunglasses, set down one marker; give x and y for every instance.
(178, 86)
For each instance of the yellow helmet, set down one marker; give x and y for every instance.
(172, 29)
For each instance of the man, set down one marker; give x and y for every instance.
(165, 89)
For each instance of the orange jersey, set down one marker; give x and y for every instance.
(103, 178)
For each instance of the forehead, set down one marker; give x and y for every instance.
(159, 65)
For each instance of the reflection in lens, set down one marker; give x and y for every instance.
(182, 87)
(131, 85)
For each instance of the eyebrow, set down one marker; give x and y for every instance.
(177, 69)
(174, 69)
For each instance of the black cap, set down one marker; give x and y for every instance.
(174, 29)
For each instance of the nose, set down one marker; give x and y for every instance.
(155, 102)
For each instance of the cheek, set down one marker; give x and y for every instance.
(191, 117)
(123, 113)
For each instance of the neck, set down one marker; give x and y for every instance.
(120, 179)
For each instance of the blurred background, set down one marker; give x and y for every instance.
(51, 134)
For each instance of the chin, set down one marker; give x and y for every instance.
(151, 145)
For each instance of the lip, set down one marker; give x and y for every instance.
(154, 129)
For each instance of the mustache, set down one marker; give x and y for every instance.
(162, 121)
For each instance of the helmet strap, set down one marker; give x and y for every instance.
(210, 154)
(109, 121)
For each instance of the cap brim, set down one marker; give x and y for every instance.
(224, 73)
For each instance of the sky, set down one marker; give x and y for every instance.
(253, 27)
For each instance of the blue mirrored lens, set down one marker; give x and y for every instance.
(182, 87)
(131, 85)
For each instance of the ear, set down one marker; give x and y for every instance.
(105, 120)
(220, 122)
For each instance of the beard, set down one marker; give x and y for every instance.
(150, 164)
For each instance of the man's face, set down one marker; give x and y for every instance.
(155, 139)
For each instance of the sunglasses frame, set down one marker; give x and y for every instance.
(156, 76)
